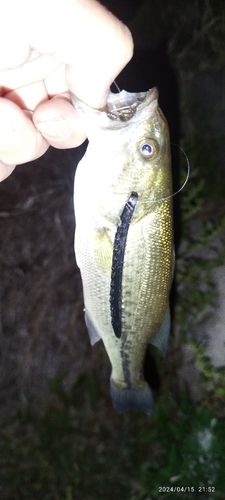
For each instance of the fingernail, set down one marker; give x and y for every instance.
(58, 128)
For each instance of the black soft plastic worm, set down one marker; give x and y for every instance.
(117, 263)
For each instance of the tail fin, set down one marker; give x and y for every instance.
(127, 398)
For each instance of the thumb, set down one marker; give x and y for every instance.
(92, 43)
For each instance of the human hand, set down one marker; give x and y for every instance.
(51, 47)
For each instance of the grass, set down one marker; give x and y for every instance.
(67, 454)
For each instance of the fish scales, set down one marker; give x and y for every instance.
(128, 152)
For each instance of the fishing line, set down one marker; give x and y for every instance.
(122, 109)
(184, 183)
(176, 192)
(117, 86)
(188, 169)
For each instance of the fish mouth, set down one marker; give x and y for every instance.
(122, 109)
(124, 105)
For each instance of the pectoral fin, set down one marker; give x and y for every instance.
(93, 334)
(161, 338)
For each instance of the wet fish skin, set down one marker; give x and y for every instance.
(114, 166)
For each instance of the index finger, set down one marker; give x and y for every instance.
(84, 35)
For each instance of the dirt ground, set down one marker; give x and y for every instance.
(42, 329)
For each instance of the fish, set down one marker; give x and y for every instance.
(124, 236)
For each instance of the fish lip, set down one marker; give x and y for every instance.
(124, 105)
(126, 108)
(122, 109)
(130, 99)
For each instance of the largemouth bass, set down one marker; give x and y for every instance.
(124, 236)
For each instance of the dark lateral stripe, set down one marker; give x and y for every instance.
(117, 263)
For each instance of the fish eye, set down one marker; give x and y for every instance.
(148, 149)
